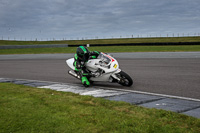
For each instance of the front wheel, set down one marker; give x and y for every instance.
(125, 79)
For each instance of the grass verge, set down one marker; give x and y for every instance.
(108, 49)
(28, 109)
(106, 41)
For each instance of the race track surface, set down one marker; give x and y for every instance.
(175, 74)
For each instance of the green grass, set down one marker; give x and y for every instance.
(27, 109)
(106, 41)
(109, 49)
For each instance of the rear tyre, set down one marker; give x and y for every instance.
(125, 79)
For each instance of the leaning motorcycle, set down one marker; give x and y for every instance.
(104, 68)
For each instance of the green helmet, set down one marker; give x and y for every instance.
(83, 53)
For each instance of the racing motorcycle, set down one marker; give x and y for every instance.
(103, 68)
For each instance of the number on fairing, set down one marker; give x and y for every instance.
(115, 66)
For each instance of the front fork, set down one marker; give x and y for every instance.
(114, 75)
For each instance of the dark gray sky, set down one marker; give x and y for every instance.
(77, 19)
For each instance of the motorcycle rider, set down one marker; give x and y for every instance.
(81, 57)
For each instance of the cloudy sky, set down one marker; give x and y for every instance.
(77, 19)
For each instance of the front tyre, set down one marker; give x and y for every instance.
(125, 79)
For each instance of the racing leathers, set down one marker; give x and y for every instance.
(79, 63)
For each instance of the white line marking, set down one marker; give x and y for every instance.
(156, 94)
(96, 92)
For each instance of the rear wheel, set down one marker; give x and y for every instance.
(125, 79)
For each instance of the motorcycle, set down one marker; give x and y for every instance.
(103, 68)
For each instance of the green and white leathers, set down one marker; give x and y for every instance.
(82, 55)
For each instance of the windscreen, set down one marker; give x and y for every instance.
(104, 58)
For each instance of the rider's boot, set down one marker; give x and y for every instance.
(85, 81)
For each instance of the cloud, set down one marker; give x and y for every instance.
(102, 18)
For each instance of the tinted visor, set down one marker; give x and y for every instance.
(85, 57)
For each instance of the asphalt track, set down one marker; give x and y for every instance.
(169, 73)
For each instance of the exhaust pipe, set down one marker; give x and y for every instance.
(74, 74)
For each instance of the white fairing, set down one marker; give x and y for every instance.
(70, 63)
(105, 67)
